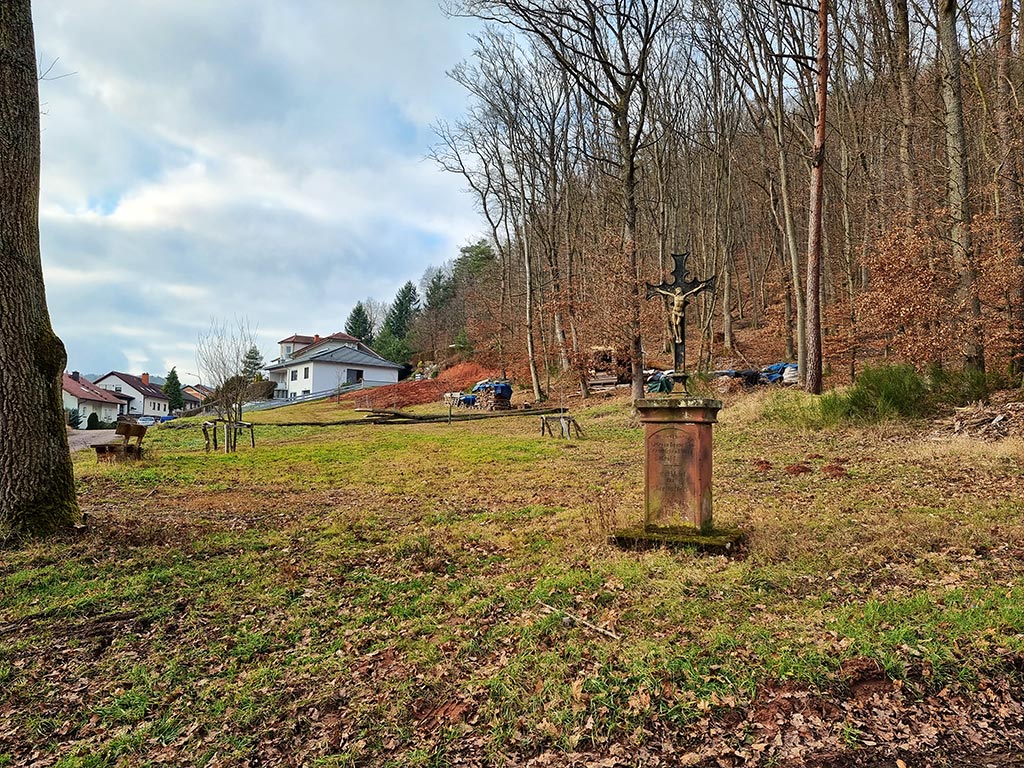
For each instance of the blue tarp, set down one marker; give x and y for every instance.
(501, 388)
(770, 374)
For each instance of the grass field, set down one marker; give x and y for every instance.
(382, 595)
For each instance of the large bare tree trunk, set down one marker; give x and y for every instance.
(957, 187)
(794, 261)
(636, 348)
(1010, 202)
(905, 81)
(531, 352)
(37, 487)
(812, 379)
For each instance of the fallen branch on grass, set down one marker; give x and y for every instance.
(582, 622)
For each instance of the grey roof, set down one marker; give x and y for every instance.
(341, 355)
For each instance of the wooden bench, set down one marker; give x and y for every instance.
(121, 447)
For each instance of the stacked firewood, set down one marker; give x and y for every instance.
(492, 402)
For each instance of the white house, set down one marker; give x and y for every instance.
(139, 397)
(311, 364)
(82, 395)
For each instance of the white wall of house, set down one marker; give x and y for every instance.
(324, 377)
(334, 375)
(103, 411)
(155, 407)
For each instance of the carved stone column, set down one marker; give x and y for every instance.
(677, 477)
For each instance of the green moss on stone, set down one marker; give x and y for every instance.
(715, 540)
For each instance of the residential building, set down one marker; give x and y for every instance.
(311, 364)
(82, 395)
(139, 397)
(196, 392)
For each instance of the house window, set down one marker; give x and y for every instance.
(305, 372)
(295, 375)
(117, 389)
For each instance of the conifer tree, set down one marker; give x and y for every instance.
(359, 324)
(252, 364)
(402, 311)
(172, 388)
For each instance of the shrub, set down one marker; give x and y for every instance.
(878, 394)
(93, 422)
(952, 388)
(74, 418)
(889, 391)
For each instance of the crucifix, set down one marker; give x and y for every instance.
(677, 293)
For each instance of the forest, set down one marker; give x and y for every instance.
(850, 171)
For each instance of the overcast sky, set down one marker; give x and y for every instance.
(239, 157)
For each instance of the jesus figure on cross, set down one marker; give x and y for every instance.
(677, 309)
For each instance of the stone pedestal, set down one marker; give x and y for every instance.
(677, 477)
(677, 461)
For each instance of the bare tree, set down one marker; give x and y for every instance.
(1011, 203)
(812, 378)
(608, 50)
(37, 488)
(220, 353)
(957, 186)
(376, 311)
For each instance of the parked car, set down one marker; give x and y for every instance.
(146, 421)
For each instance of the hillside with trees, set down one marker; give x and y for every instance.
(602, 138)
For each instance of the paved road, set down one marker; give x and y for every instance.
(80, 439)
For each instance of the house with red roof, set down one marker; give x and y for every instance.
(140, 398)
(313, 364)
(82, 395)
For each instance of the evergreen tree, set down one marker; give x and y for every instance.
(401, 312)
(392, 348)
(252, 363)
(474, 259)
(438, 288)
(93, 422)
(172, 388)
(359, 324)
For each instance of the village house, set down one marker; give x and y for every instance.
(311, 364)
(196, 393)
(137, 395)
(82, 395)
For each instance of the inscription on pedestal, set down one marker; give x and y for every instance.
(669, 454)
(677, 460)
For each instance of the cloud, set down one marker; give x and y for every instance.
(250, 157)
